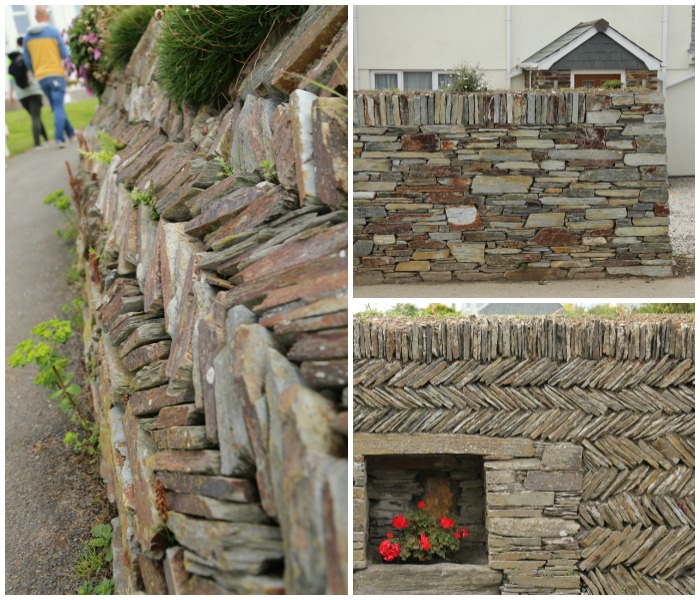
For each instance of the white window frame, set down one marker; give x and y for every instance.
(399, 75)
(622, 72)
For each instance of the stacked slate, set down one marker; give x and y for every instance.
(586, 428)
(523, 186)
(218, 330)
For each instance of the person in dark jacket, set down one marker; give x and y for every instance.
(30, 97)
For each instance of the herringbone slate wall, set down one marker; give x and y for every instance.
(620, 393)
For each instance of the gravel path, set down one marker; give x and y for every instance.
(50, 492)
(682, 201)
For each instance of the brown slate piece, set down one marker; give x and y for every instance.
(325, 373)
(152, 575)
(282, 146)
(213, 486)
(211, 508)
(182, 438)
(174, 416)
(195, 461)
(321, 345)
(144, 355)
(330, 133)
(149, 402)
(146, 334)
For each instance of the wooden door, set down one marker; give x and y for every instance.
(594, 80)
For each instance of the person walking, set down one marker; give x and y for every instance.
(44, 51)
(24, 88)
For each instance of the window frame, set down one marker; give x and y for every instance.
(435, 73)
(621, 72)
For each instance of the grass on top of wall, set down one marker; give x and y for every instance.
(124, 33)
(19, 123)
(201, 50)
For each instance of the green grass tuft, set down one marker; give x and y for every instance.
(124, 33)
(201, 50)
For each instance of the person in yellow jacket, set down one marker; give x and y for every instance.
(44, 51)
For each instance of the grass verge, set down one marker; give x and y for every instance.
(19, 123)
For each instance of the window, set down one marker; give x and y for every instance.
(445, 80)
(418, 80)
(411, 80)
(20, 14)
(386, 81)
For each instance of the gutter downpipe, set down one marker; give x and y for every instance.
(664, 50)
(508, 46)
(355, 51)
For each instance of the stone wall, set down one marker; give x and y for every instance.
(217, 333)
(521, 186)
(586, 429)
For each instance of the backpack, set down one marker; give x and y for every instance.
(18, 70)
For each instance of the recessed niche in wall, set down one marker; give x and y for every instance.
(449, 484)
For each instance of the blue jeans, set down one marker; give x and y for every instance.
(54, 88)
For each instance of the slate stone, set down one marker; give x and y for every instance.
(532, 527)
(212, 486)
(503, 184)
(210, 508)
(330, 133)
(195, 461)
(149, 402)
(556, 481)
(362, 248)
(466, 252)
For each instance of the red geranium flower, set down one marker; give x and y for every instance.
(446, 523)
(389, 550)
(390, 535)
(464, 533)
(457, 535)
(400, 522)
(421, 504)
(424, 542)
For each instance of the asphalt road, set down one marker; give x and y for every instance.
(45, 490)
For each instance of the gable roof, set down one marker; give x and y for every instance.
(554, 51)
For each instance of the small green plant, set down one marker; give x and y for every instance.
(109, 147)
(613, 84)
(268, 171)
(64, 205)
(522, 266)
(468, 78)
(93, 560)
(104, 588)
(147, 198)
(226, 168)
(53, 376)
(74, 312)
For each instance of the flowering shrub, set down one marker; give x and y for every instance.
(422, 536)
(86, 43)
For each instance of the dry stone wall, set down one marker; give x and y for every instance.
(522, 186)
(586, 429)
(217, 333)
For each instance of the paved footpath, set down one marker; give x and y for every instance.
(45, 492)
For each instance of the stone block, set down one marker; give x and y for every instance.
(641, 231)
(504, 184)
(466, 252)
(522, 499)
(537, 220)
(636, 159)
(463, 218)
(562, 457)
(645, 271)
(585, 154)
(414, 265)
(541, 527)
(553, 582)
(611, 175)
(603, 117)
(555, 481)
(419, 255)
(594, 214)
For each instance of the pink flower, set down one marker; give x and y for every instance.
(424, 542)
(97, 54)
(400, 522)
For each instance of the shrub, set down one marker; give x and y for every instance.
(613, 84)
(201, 50)
(468, 78)
(87, 46)
(124, 34)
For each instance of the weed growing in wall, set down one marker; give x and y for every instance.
(147, 198)
(109, 147)
(94, 560)
(202, 49)
(63, 204)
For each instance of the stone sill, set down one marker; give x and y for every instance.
(442, 578)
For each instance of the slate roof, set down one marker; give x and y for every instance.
(600, 25)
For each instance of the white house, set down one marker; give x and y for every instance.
(519, 47)
(20, 17)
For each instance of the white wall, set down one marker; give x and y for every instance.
(680, 128)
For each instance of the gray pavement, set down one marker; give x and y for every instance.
(44, 489)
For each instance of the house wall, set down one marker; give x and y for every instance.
(440, 37)
(680, 102)
(525, 187)
(587, 432)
